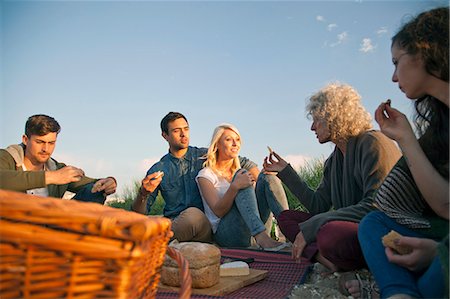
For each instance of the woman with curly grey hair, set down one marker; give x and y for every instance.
(355, 169)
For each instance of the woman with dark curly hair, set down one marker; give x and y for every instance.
(360, 161)
(414, 198)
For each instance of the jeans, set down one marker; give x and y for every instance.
(391, 278)
(86, 195)
(249, 212)
(270, 195)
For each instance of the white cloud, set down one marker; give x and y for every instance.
(320, 18)
(382, 31)
(366, 45)
(341, 38)
(331, 26)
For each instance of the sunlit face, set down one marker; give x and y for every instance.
(229, 145)
(409, 73)
(178, 136)
(320, 127)
(39, 148)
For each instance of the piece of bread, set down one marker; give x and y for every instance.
(237, 268)
(389, 241)
(204, 264)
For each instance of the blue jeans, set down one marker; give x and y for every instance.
(250, 210)
(270, 195)
(391, 278)
(85, 194)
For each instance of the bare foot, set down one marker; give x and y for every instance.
(265, 241)
(353, 288)
(351, 283)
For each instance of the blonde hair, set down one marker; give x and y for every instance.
(339, 105)
(211, 155)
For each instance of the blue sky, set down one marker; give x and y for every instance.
(108, 71)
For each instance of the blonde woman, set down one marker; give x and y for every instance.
(355, 169)
(229, 196)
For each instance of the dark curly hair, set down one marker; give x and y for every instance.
(427, 36)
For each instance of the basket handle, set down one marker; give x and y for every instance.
(185, 273)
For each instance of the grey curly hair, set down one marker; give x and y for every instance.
(339, 105)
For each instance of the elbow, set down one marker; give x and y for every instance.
(443, 211)
(219, 214)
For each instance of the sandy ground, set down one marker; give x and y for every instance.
(320, 283)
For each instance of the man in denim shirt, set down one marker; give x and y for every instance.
(174, 175)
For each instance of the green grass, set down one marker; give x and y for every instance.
(130, 193)
(311, 173)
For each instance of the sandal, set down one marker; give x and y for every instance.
(368, 289)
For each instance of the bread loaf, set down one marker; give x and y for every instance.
(389, 241)
(204, 264)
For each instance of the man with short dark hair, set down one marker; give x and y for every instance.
(28, 167)
(174, 176)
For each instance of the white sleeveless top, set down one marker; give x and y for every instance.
(221, 185)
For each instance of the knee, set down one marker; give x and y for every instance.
(284, 216)
(195, 217)
(268, 179)
(336, 232)
(326, 238)
(366, 224)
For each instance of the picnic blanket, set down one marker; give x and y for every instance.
(283, 275)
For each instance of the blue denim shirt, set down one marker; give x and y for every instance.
(178, 186)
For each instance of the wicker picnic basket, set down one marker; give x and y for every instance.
(53, 248)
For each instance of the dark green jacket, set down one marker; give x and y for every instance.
(12, 176)
(349, 181)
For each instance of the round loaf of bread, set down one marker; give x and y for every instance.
(204, 264)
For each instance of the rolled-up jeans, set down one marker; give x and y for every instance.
(250, 210)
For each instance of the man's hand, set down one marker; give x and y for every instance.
(151, 182)
(423, 253)
(65, 175)
(298, 246)
(108, 186)
(149, 185)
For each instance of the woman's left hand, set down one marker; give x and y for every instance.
(423, 253)
(243, 179)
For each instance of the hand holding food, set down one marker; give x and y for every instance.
(391, 240)
(274, 162)
(152, 181)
